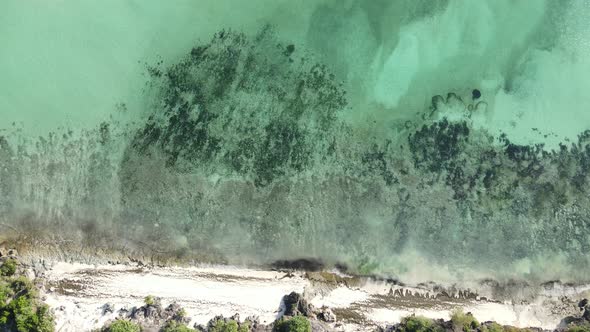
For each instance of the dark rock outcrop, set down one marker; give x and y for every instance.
(153, 316)
(295, 305)
(326, 315)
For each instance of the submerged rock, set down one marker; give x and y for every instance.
(239, 104)
(305, 264)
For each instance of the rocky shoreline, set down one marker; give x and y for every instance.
(151, 298)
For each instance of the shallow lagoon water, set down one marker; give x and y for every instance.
(431, 209)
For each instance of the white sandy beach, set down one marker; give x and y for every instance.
(78, 293)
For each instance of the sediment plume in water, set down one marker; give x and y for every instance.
(427, 142)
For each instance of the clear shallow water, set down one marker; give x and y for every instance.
(220, 150)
